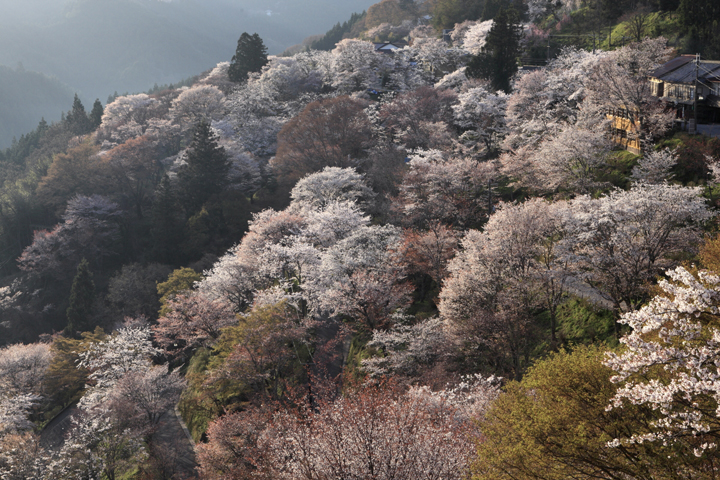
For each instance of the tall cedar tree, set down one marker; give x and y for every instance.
(498, 60)
(96, 114)
(206, 172)
(77, 120)
(82, 297)
(250, 56)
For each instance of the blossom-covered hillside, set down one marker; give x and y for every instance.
(353, 264)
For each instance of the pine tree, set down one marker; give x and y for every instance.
(205, 173)
(96, 114)
(82, 297)
(77, 120)
(498, 60)
(250, 56)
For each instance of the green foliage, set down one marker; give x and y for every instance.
(446, 13)
(390, 11)
(77, 120)
(657, 24)
(82, 298)
(581, 322)
(553, 425)
(358, 352)
(64, 381)
(498, 61)
(197, 408)
(337, 33)
(205, 173)
(179, 280)
(96, 114)
(701, 21)
(255, 361)
(250, 56)
(618, 169)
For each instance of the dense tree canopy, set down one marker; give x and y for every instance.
(250, 56)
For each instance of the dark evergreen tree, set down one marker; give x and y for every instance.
(205, 173)
(409, 6)
(701, 22)
(167, 224)
(335, 34)
(492, 7)
(82, 298)
(498, 60)
(77, 120)
(96, 114)
(446, 13)
(250, 56)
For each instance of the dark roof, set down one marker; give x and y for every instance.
(682, 70)
(672, 65)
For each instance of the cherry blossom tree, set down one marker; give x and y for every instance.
(192, 321)
(229, 280)
(334, 222)
(332, 184)
(22, 366)
(473, 37)
(369, 297)
(291, 77)
(128, 350)
(373, 433)
(481, 116)
(356, 66)
(203, 102)
(22, 457)
(406, 349)
(102, 443)
(428, 251)
(334, 133)
(126, 117)
(571, 159)
(419, 119)
(670, 364)
(152, 392)
(451, 190)
(435, 57)
(233, 451)
(500, 276)
(14, 411)
(90, 229)
(545, 101)
(655, 166)
(621, 241)
(619, 81)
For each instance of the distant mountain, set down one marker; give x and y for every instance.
(26, 97)
(98, 47)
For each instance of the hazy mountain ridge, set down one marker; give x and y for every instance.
(97, 47)
(25, 97)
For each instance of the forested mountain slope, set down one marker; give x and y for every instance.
(97, 47)
(25, 98)
(350, 264)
